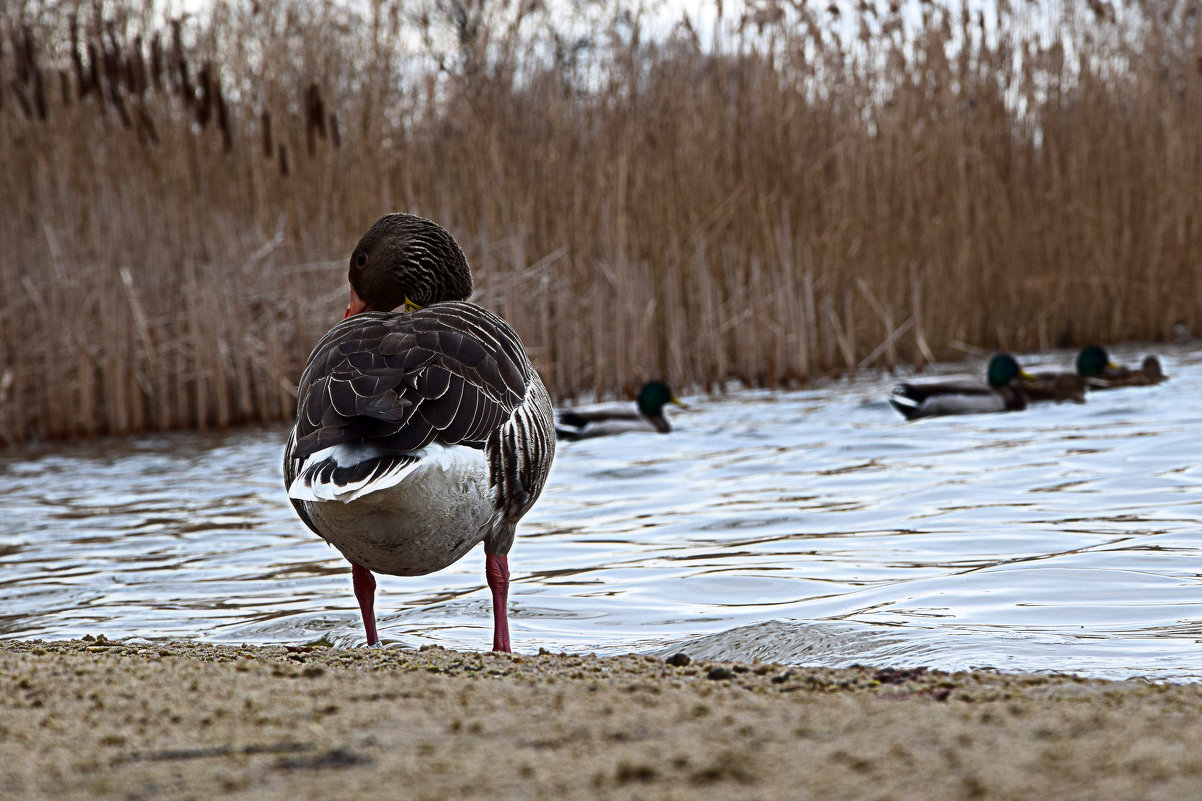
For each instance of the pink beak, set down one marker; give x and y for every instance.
(356, 305)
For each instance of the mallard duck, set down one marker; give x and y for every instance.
(1055, 386)
(1002, 393)
(419, 433)
(1093, 363)
(646, 415)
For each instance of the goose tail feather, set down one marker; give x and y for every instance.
(335, 474)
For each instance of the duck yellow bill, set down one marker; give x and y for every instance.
(678, 402)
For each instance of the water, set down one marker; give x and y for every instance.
(812, 527)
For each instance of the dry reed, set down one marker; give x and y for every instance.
(802, 195)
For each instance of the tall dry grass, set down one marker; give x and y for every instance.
(792, 194)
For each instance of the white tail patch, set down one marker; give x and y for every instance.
(346, 472)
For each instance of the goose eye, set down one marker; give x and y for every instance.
(360, 259)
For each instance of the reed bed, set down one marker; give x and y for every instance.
(793, 191)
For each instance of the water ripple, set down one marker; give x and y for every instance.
(811, 527)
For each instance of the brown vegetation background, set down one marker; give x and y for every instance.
(796, 191)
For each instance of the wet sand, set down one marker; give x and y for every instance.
(96, 719)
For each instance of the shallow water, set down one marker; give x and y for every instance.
(812, 527)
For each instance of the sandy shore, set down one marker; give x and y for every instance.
(96, 719)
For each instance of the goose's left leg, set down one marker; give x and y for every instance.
(365, 593)
(496, 569)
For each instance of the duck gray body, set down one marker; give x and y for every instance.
(1000, 392)
(916, 400)
(609, 427)
(646, 415)
(608, 419)
(419, 434)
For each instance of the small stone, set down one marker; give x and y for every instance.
(679, 659)
(719, 673)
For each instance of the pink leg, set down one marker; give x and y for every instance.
(496, 568)
(365, 591)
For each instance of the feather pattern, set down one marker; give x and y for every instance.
(405, 380)
(345, 472)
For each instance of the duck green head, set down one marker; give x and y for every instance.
(1003, 368)
(652, 397)
(1092, 361)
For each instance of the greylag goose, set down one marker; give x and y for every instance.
(419, 433)
(1093, 363)
(646, 415)
(1002, 393)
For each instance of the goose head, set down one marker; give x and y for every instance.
(405, 260)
